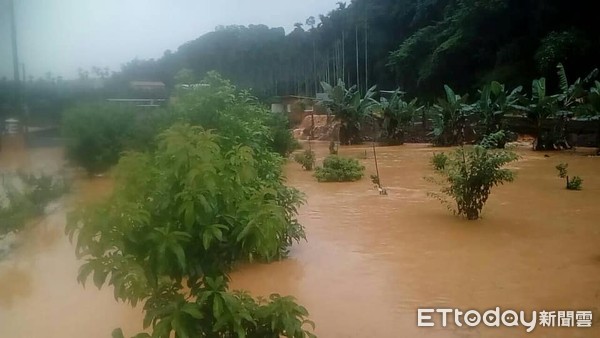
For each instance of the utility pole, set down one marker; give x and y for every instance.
(17, 78)
(11, 10)
(366, 48)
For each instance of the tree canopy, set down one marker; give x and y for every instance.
(414, 44)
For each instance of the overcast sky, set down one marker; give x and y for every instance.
(62, 35)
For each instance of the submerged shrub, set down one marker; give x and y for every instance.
(339, 169)
(177, 221)
(439, 161)
(575, 183)
(468, 175)
(306, 159)
(495, 140)
(96, 134)
(283, 142)
(24, 196)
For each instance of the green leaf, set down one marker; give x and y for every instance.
(100, 277)
(190, 216)
(217, 306)
(178, 251)
(450, 95)
(217, 233)
(84, 272)
(179, 327)
(192, 310)
(117, 333)
(497, 88)
(562, 78)
(245, 231)
(142, 335)
(206, 239)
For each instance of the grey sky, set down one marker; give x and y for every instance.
(62, 35)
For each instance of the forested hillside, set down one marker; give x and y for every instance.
(415, 44)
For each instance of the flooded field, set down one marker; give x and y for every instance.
(370, 261)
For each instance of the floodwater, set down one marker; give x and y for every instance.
(370, 261)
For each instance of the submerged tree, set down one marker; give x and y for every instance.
(176, 222)
(208, 193)
(574, 183)
(96, 134)
(468, 176)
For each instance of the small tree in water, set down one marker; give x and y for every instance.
(574, 183)
(468, 177)
(178, 220)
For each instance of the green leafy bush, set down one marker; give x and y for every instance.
(146, 127)
(339, 169)
(96, 134)
(439, 161)
(24, 196)
(306, 159)
(176, 222)
(495, 140)
(283, 142)
(575, 183)
(468, 175)
(562, 169)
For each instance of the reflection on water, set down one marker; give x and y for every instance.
(39, 293)
(370, 260)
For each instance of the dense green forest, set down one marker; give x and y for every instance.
(414, 44)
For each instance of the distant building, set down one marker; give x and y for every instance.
(291, 103)
(147, 103)
(147, 85)
(297, 107)
(147, 89)
(193, 85)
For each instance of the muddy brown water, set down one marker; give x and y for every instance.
(370, 261)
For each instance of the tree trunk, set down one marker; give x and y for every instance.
(472, 214)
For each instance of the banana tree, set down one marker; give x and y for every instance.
(494, 101)
(573, 98)
(572, 95)
(540, 108)
(349, 109)
(452, 117)
(591, 109)
(395, 116)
